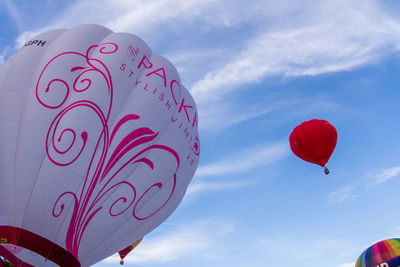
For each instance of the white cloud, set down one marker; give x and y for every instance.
(150, 13)
(193, 240)
(286, 105)
(386, 174)
(14, 13)
(309, 250)
(2, 60)
(221, 47)
(345, 193)
(367, 182)
(143, 17)
(327, 36)
(196, 188)
(216, 116)
(245, 160)
(349, 264)
(171, 22)
(168, 248)
(24, 37)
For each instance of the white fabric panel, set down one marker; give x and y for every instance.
(15, 84)
(31, 152)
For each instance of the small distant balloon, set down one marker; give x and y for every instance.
(123, 253)
(314, 141)
(385, 253)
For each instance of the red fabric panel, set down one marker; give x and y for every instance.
(12, 258)
(38, 244)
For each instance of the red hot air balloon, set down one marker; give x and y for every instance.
(314, 141)
(123, 253)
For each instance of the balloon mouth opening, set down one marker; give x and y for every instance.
(35, 243)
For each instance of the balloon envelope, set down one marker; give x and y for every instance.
(385, 253)
(314, 141)
(98, 143)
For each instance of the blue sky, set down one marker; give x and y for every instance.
(257, 69)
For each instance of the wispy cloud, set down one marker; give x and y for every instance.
(385, 174)
(349, 264)
(320, 37)
(216, 116)
(4, 54)
(166, 248)
(14, 13)
(245, 160)
(146, 18)
(308, 250)
(327, 36)
(195, 240)
(239, 162)
(24, 37)
(196, 188)
(370, 180)
(157, 13)
(216, 238)
(345, 193)
(286, 105)
(265, 39)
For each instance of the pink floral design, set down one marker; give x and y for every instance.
(102, 169)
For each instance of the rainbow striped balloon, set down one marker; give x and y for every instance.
(381, 252)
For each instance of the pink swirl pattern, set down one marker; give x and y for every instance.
(65, 145)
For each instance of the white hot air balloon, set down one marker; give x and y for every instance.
(98, 143)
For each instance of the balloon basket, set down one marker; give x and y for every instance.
(326, 170)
